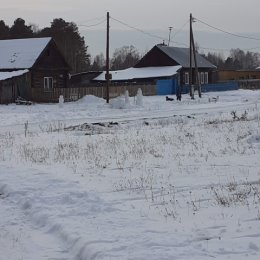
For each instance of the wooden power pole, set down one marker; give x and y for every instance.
(190, 74)
(107, 61)
(193, 51)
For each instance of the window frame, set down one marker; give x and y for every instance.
(48, 84)
(186, 78)
(202, 78)
(206, 78)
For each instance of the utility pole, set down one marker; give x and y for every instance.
(170, 31)
(190, 74)
(197, 77)
(107, 61)
(193, 53)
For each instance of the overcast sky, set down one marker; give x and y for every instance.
(238, 16)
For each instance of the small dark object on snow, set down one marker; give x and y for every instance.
(146, 123)
(113, 123)
(99, 124)
(214, 99)
(179, 97)
(169, 99)
(22, 101)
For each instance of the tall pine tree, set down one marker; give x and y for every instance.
(71, 44)
(19, 30)
(4, 31)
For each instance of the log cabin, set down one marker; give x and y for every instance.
(33, 69)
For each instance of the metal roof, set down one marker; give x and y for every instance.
(140, 73)
(182, 56)
(21, 53)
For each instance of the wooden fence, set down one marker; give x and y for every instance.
(249, 84)
(75, 93)
(8, 93)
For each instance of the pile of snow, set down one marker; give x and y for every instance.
(118, 102)
(123, 101)
(91, 100)
(139, 98)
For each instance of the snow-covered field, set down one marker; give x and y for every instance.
(166, 180)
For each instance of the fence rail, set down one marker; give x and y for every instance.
(75, 93)
(249, 84)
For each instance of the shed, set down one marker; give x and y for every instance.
(11, 85)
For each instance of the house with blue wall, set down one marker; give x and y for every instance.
(162, 55)
(169, 69)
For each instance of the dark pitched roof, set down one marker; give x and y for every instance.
(182, 56)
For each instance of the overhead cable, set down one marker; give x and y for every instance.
(147, 33)
(92, 25)
(230, 33)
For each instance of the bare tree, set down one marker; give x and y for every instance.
(99, 62)
(125, 57)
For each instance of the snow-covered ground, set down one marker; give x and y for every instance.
(166, 180)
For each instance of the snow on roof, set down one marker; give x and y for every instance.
(140, 73)
(9, 75)
(21, 53)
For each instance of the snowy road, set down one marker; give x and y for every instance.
(14, 117)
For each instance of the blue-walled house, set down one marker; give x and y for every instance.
(162, 55)
(168, 68)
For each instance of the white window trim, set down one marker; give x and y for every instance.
(48, 84)
(186, 78)
(206, 80)
(202, 78)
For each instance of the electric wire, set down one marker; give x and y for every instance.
(146, 33)
(92, 25)
(164, 39)
(92, 19)
(179, 43)
(181, 29)
(230, 33)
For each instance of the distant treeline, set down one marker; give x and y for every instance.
(237, 60)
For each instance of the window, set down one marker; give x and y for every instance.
(202, 81)
(186, 78)
(48, 83)
(206, 79)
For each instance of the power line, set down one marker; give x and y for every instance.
(179, 43)
(92, 25)
(178, 31)
(181, 29)
(92, 19)
(146, 33)
(230, 33)
(218, 49)
(139, 30)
